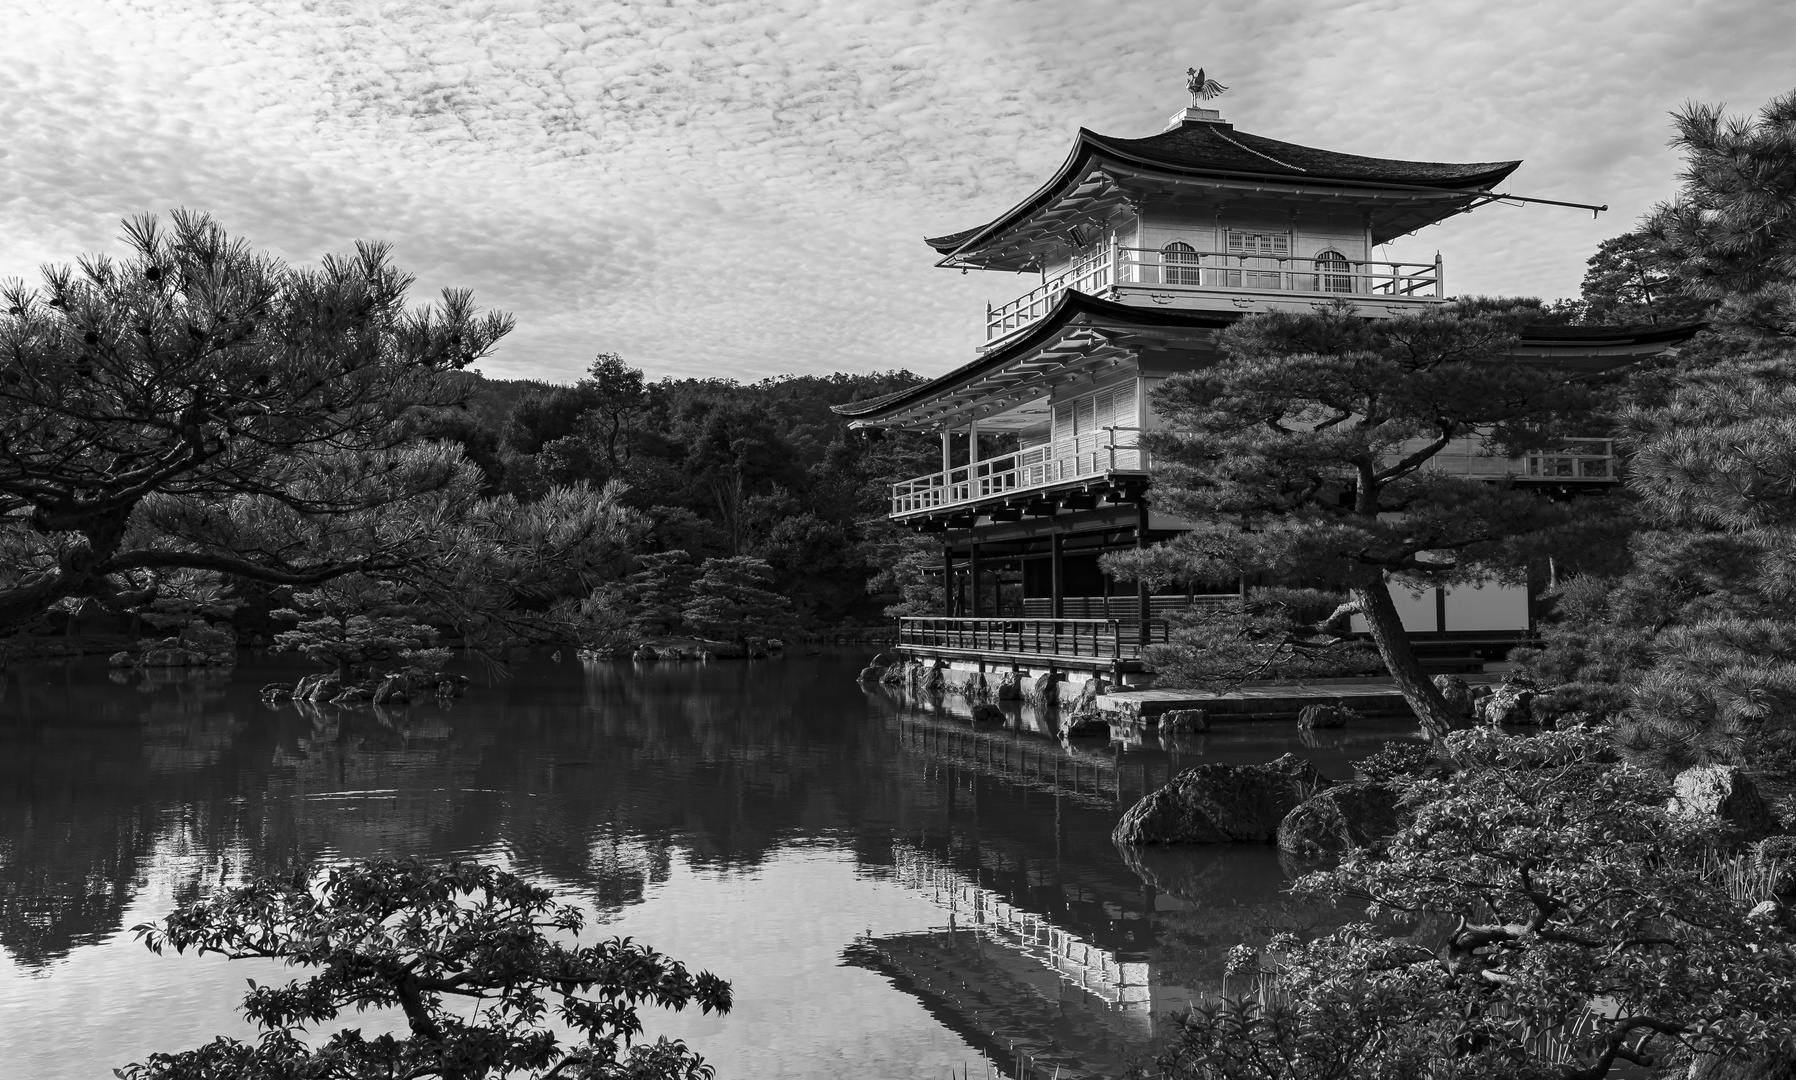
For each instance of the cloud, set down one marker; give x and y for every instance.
(740, 188)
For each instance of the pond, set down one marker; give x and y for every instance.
(892, 892)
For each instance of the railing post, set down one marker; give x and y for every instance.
(1440, 278)
(1115, 261)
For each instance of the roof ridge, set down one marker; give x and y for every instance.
(1283, 164)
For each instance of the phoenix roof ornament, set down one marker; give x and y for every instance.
(1202, 89)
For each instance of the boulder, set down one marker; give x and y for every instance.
(1457, 692)
(1509, 705)
(988, 714)
(880, 660)
(277, 691)
(1727, 793)
(976, 689)
(349, 695)
(931, 679)
(1010, 686)
(871, 673)
(1325, 716)
(645, 654)
(317, 688)
(393, 688)
(1184, 722)
(1040, 691)
(1344, 816)
(1087, 701)
(121, 659)
(896, 673)
(1084, 725)
(1215, 804)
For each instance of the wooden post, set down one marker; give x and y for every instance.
(973, 572)
(1141, 594)
(1057, 575)
(948, 581)
(947, 452)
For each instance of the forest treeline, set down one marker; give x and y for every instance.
(717, 468)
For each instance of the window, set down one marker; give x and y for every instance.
(1180, 260)
(1242, 242)
(1335, 274)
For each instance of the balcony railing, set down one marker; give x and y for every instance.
(1104, 639)
(1580, 460)
(1217, 271)
(1111, 449)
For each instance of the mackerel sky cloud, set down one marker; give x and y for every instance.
(740, 189)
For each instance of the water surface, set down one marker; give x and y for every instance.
(892, 892)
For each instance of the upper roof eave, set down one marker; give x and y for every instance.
(1070, 306)
(1479, 178)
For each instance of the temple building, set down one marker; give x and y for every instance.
(1141, 251)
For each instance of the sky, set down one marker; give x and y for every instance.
(741, 189)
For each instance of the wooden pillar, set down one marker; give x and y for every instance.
(973, 572)
(948, 581)
(1057, 575)
(947, 449)
(972, 442)
(1141, 594)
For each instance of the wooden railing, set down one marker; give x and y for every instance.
(1087, 275)
(1213, 271)
(1113, 639)
(1111, 449)
(1278, 273)
(1580, 460)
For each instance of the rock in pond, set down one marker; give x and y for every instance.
(1214, 804)
(988, 714)
(1184, 721)
(1010, 686)
(392, 689)
(277, 691)
(1325, 716)
(1334, 819)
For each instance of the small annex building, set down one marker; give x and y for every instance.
(1142, 250)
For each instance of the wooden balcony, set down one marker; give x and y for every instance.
(1172, 276)
(1116, 644)
(1098, 454)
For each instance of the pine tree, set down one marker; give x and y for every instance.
(1693, 648)
(1307, 454)
(733, 600)
(353, 622)
(1730, 232)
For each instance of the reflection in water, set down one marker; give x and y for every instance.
(659, 796)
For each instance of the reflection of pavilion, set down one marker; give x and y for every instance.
(1040, 999)
(1117, 979)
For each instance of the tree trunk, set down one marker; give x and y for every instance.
(1418, 690)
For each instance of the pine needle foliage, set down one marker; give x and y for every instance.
(475, 960)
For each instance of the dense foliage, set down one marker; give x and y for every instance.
(1545, 912)
(479, 964)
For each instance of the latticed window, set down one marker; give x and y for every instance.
(1242, 242)
(1335, 275)
(1180, 260)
